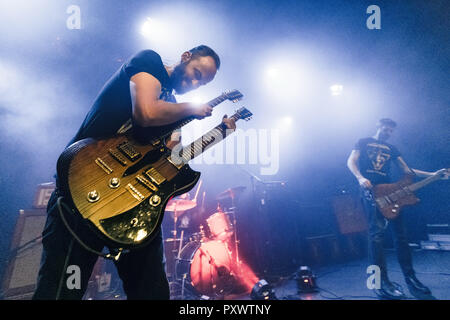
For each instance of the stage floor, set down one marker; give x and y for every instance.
(348, 281)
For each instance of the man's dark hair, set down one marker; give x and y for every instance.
(205, 51)
(386, 122)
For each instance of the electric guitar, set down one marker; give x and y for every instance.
(390, 198)
(121, 187)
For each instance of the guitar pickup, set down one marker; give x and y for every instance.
(118, 157)
(129, 151)
(178, 166)
(154, 175)
(146, 183)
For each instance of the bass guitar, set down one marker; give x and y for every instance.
(391, 198)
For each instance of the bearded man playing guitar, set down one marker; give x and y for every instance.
(138, 95)
(370, 162)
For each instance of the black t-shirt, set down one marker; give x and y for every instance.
(375, 159)
(112, 109)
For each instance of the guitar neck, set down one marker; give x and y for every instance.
(181, 123)
(205, 142)
(424, 182)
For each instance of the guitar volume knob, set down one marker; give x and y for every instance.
(114, 183)
(93, 196)
(155, 200)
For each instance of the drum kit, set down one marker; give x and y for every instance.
(206, 262)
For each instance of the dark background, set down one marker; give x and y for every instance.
(49, 76)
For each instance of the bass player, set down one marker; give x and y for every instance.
(370, 163)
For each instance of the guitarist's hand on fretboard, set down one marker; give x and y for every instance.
(444, 172)
(230, 123)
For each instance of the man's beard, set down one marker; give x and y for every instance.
(177, 78)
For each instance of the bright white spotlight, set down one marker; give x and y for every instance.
(147, 27)
(197, 100)
(287, 121)
(336, 89)
(156, 30)
(284, 124)
(273, 72)
(285, 81)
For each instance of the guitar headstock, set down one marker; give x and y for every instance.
(244, 114)
(233, 95)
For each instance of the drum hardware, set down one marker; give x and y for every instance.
(206, 268)
(233, 193)
(178, 206)
(219, 225)
(230, 193)
(209, 263)
(182, 286)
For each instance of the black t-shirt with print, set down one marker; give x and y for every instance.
(375, 159)
(112, 109)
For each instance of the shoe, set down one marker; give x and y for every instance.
(416, 288)
(390, 291)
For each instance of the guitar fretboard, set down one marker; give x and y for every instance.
(205, 142)
(423, 182)
(214, 102)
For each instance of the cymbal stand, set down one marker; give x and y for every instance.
(233, 212)
(174, 232)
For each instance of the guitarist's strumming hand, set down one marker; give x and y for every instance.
(365, 183)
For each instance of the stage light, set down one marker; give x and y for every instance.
(284, 81)
(197, 100)
(273, 73)
(147, 27)
(156, 30)
(286, 122)
(262, 290)
(306, 280)
(336, 89)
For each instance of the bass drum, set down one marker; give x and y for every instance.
(207, 267)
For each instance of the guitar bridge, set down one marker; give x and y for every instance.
(135, 192)
(102, 164)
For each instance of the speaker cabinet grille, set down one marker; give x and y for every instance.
(25, 255)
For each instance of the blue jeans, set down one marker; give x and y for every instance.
(142, 270)
(377, 227)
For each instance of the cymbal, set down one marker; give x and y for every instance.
(230, 193)
(180, 205)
